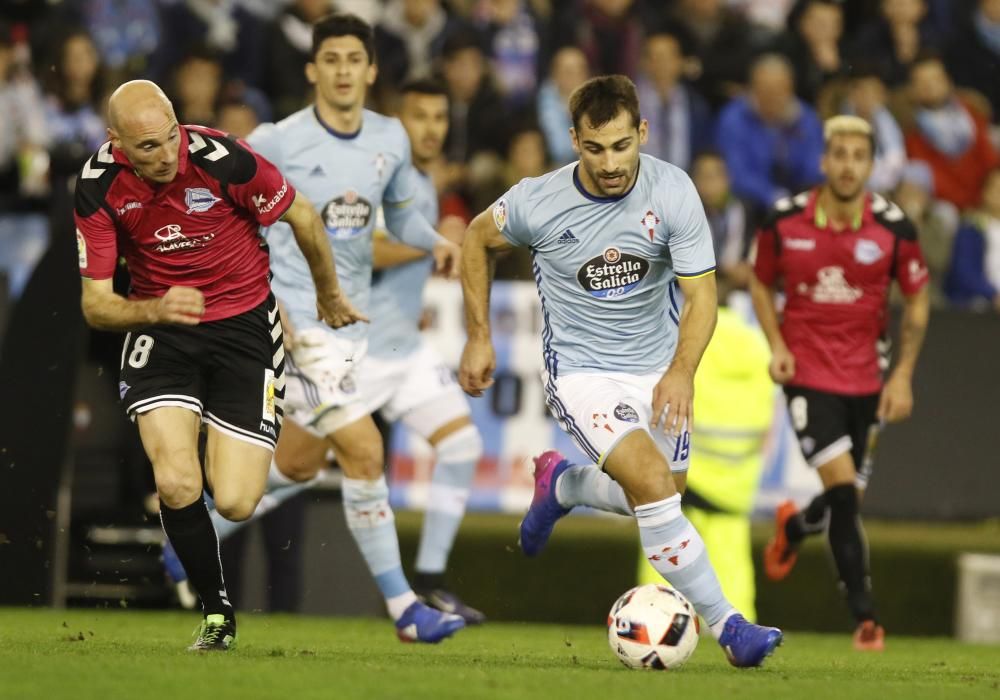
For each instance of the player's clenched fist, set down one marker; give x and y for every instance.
(181, 305)
(337, 311)
(475, 373)
(782, 367)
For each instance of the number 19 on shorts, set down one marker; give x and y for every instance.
(682, 447)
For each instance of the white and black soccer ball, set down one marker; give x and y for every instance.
(654, 627)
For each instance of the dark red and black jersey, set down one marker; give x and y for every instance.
(836, 285)
(200, 230)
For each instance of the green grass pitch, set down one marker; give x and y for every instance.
(111, 654)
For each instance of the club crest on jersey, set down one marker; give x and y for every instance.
(612, 274)
(348, 215)
(867, 252)
(199, 199)
(650, 220)
(500, 214)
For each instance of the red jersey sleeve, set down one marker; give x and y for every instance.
(764, 255)
(267, 195)
(96, 235)
(911, 270)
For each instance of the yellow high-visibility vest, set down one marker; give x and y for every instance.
(733, 410)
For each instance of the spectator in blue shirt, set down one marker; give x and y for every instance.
(771, 140)
(974, 279)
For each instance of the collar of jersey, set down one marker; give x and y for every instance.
(595, 198)
(821, 220)
(334, 132)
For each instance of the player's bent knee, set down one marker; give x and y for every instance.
(362, 466)
(177, 487)
(235, 508)
(362, 460)
(648, 485)
(302, 471)
(463, 444)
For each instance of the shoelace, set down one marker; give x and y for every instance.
(208, 633)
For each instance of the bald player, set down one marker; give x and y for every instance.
(183, 205)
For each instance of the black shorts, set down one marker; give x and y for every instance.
(230, 372)
(828, 425)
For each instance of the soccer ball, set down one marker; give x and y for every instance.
(653, 626)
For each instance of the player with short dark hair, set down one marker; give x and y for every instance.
(837, 250)
(613, 237)
(183, 205)
(350, 161)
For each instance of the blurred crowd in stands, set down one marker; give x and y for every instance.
(734, 91)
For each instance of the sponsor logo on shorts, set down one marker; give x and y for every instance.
(500, 214)
(624, 412)
(612, 274)
(347, 216)
(267, 412)
(264, 205)
(867, 252)
(808, 445)
(172, 238)
(81, 249)
(122, 390)
(347, 385)
(199, 199)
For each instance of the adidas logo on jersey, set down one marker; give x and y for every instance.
(567, 237)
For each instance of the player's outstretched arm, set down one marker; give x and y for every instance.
(896, 401)
(107, 311)
(332, 305)
(410, 226)
(482, 241)
(673, 396)
(389, 253)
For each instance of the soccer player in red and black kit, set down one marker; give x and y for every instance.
(837, 249)
(183, 205)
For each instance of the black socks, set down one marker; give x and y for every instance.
(193, 537)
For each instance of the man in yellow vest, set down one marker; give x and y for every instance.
(733, 410)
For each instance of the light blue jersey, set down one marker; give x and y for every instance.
(604, 266)
(398, 292)
(347, 177)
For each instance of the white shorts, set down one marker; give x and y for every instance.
(418, 388)
(322, 392)
(598, 410)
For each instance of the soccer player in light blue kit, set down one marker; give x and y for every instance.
(404, 378)
(349, 161)
(609, 235)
